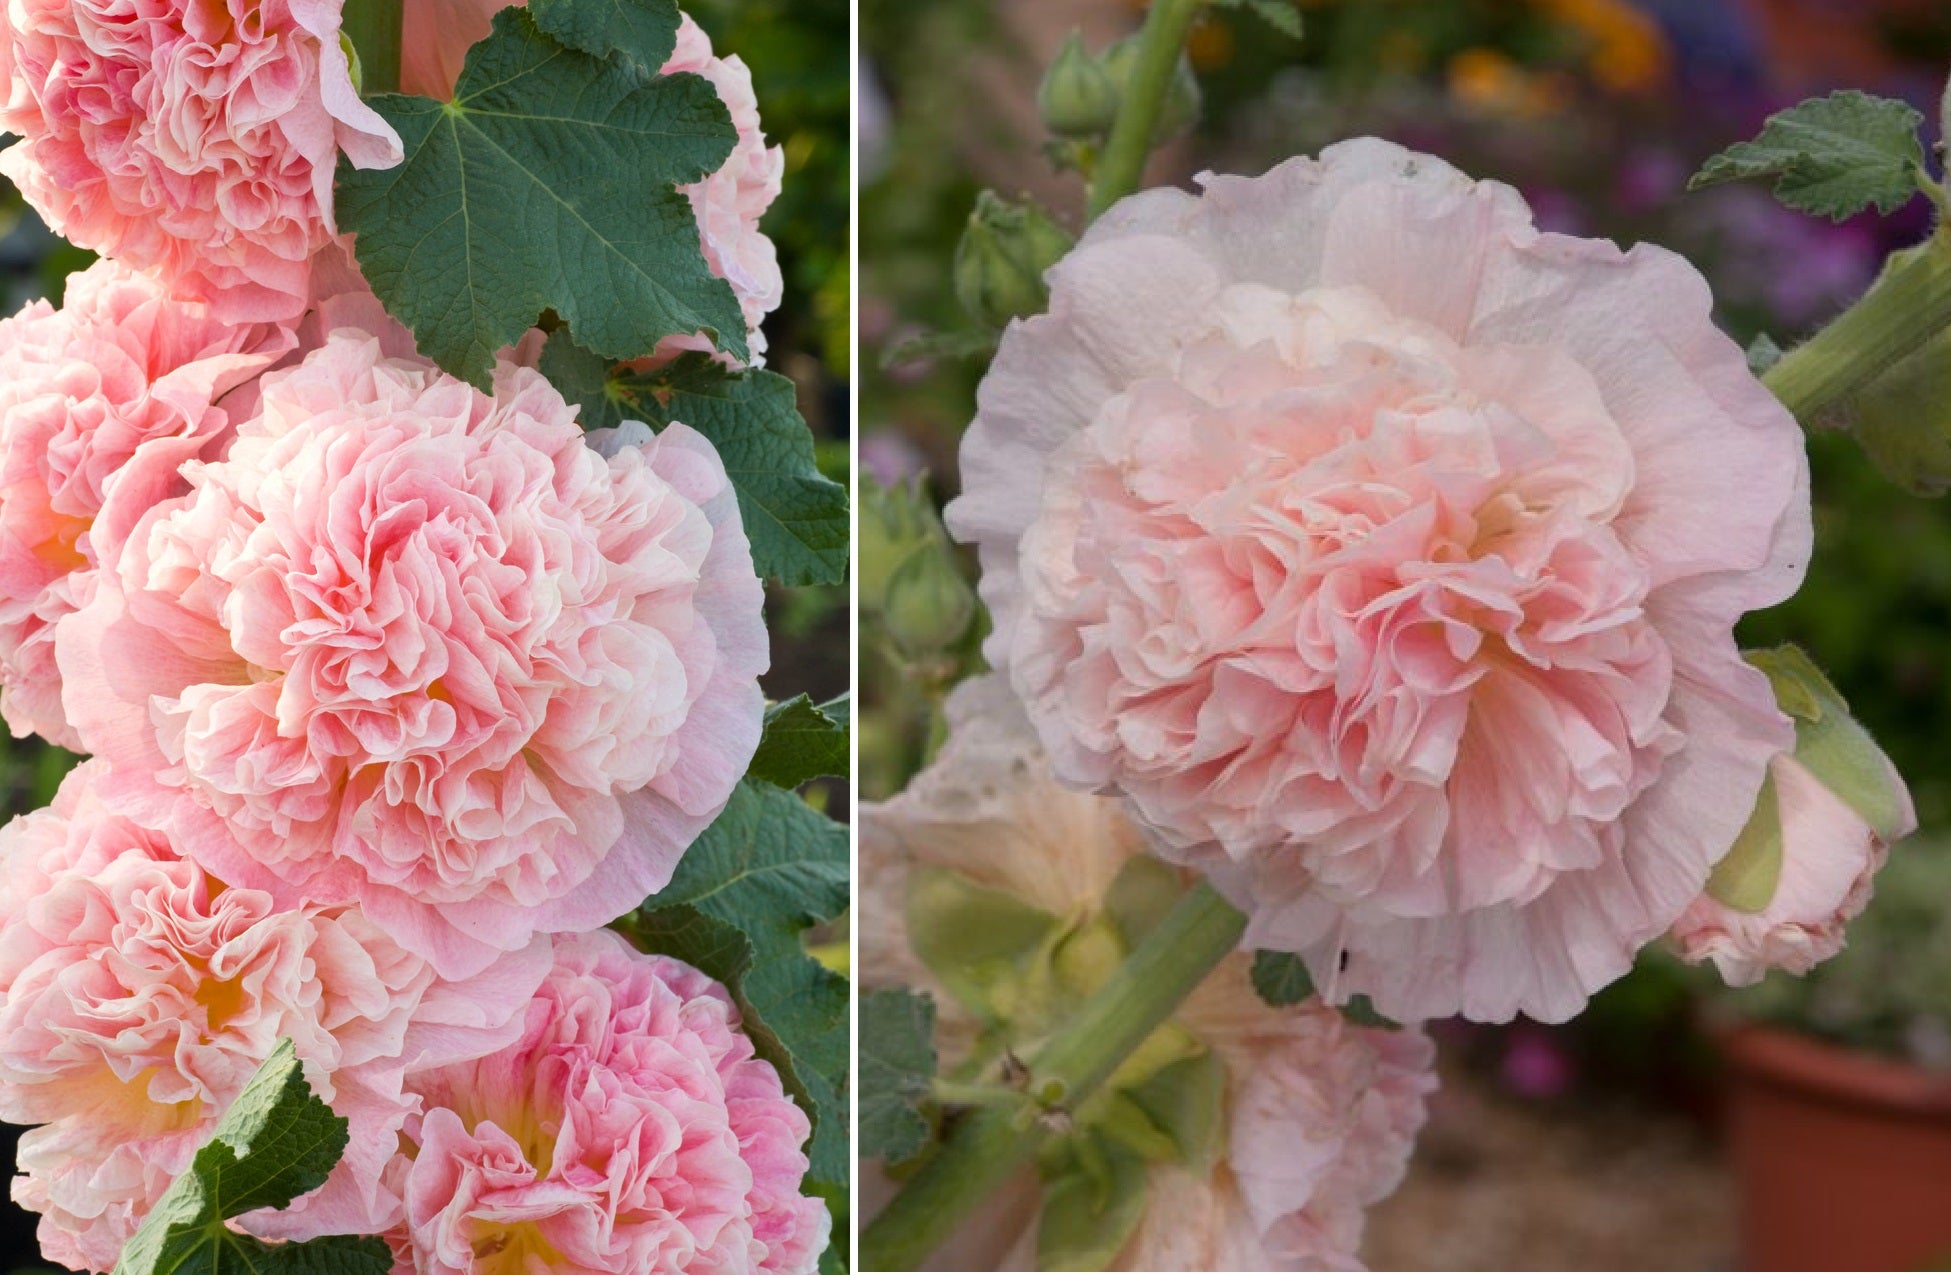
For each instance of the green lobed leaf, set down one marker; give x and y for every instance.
(897, 1070)
(803, 741)
(768, 868)
(549, 182)
(1832, 156)
(1281, 978)
(646, 30)
(1361, 1011)
(277, 1141)
(795, 515)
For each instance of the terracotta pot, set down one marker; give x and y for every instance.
(1843, 1159)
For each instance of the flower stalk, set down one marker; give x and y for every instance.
(1908, 305)
(373, 27)
(1161, 42)
(995, 1141)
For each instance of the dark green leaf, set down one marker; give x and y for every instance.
(1358, 1009)
(1281, 978)
(795, 516)
(549, 182)
(766, 869)
(1832, 156)
(644, 29)
(897, 1070)
(802, 741)
(277, 1142)
(1281, 15)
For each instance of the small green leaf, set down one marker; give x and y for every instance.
(796, 516)
(897, 1064)
(1361, 1011)
(1763, 353)
(802, 741)
(549, 182)
(1281, 978)
(1832, 156)
(644, 29)
(1281, 15)
(1093, 1200)
(277, 1142)
(766, 869)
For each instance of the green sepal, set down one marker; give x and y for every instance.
(1094, 1197)
(977, 941)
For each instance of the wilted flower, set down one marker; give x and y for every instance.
(1383, 554)
(1319, 1115)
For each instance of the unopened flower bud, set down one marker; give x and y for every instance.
(1180, 109)
(894, 522)
(929, 605)
(1078, 97)
(1000, 261)
(1805, 863)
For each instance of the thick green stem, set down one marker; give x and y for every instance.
(1908, 305)
(994, 1142)
(373, 26)
(1122, 165)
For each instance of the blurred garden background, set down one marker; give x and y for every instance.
(1611, 1142)
(798, 52)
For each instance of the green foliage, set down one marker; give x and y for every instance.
(768, 868)
(549, 182)
(803, 741)
(897, 1071)
(1281, 978)
(644, 29)
(1832, 156)
(277, 1142)
(795, 515)
(1281, 15)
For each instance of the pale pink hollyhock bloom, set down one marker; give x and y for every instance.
(120, 385)
(138, 994)
(728, 204)
(423, 648)
(1383, 554)
(630, 1129)
(1830, 855)
(1321, 1114)
(195, 140)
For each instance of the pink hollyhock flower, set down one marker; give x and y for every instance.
(630, 1129)
(422, 648)
(195, 140)
(728, 204)
(1321, 1114)
(1383, 554)
(138, 994)
(121, 385)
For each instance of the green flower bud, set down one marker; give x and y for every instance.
(1078, 97)
(894, 522)
(1180, 110)
(1834, 746)
(929, 605)
(1000, 261)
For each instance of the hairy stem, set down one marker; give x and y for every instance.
(1122, 165)
(1909, 304)
(995, 1141)
(373, 26)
